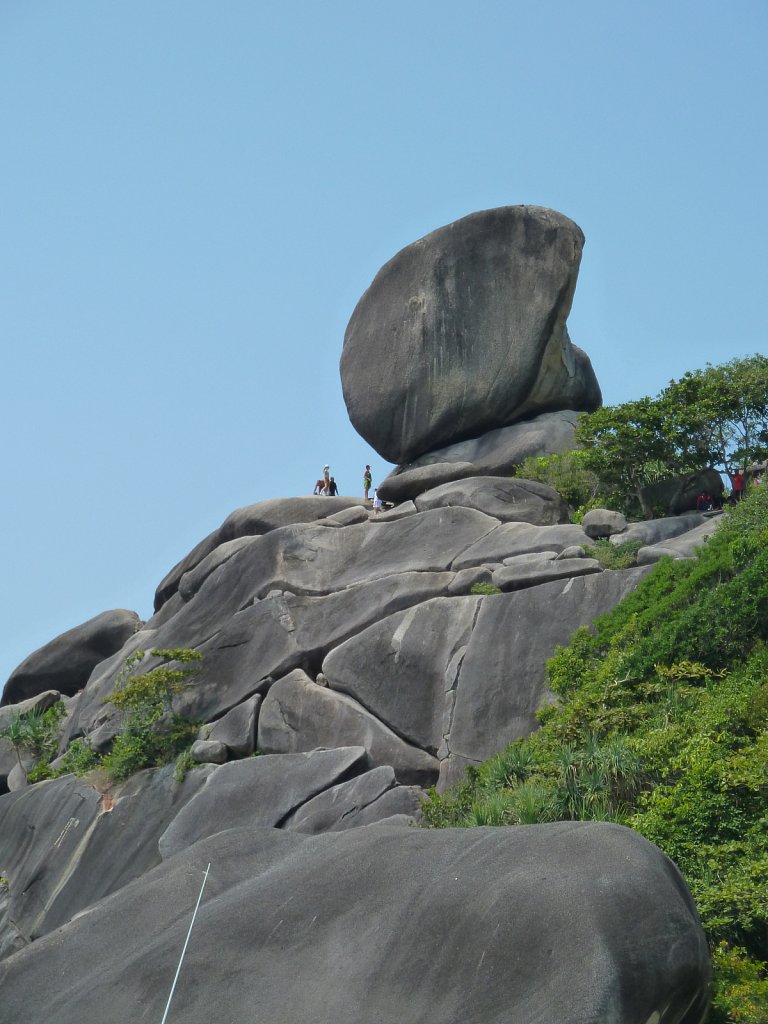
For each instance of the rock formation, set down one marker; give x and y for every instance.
(382, 924)
(350, 652)
(65, 663)
(464, 332)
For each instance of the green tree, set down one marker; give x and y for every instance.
(625, 443)
(715, 418)
(722, 413)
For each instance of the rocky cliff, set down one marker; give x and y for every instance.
(352, 650)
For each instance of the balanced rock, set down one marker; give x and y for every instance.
(464, 331)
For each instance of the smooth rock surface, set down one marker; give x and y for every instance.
(84, 847)
(501, 686)
(444, 925)
(603, 522)
(512, 539)
(682, 546)
(208, 752)
(464, 331)
(495, 453)
(252, 521)
(364, 800)
(65, 663)
(653, 531)
(298, 715)
(236, 729)
(510, 500)
(247, 637)
(402, 667)
(257, 791)
(531, 574)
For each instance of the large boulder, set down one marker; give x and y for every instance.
(508, 500)
(65, 663)
(571, 922)
(496, 453)
(679, 493)
(464, 331)
(257, 791)
(298, 715)
(682, 546)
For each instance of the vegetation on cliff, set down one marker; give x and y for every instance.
(715, 418)
(151, 732)
(661, 723)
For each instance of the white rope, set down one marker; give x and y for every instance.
(186, 943)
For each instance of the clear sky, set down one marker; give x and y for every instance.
(195, 194)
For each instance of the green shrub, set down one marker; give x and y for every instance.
(152, 734)
(485, 589)
(566, 473)
(37, 733)
(184, 763)
(615, 556)
(78, 759)
(662, 724)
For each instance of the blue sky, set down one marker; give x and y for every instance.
(196, 194)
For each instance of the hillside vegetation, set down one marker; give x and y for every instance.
(661, 724)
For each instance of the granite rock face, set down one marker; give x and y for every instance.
(249, 521)
(464, 332)
(569, 922)
(350, 660)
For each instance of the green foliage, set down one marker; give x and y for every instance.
(624, 445)
(723, 411)
(484, 589)
(741, 988)
(36, 733)
(568, 474)
(615, 556)
(715, 418)
(662, 724)
(184, 763)
(152, 734)
(78, 759)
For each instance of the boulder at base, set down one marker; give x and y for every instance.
(569, 922)
(464, 331)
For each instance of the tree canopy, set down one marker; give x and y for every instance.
(715, 418)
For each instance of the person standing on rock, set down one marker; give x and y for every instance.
(376, 501)
(367, 481)
(333, 490)
(322, 485)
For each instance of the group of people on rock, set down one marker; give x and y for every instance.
(328, 486)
